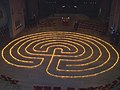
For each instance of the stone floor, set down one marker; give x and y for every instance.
(37, 75)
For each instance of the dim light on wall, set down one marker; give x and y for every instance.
(63, 6)
(75, 6)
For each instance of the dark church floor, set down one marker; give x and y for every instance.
(53, 54)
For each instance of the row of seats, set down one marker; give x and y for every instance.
(8, 79)
(90, 22)
(108, 86)
(47, 23)
(99, 27)
(43, 23)
(50, 88)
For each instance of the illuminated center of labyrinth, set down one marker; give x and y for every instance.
(62, 54)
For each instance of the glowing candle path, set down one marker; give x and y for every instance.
(72, 55)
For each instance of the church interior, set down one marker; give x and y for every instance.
(60, 44)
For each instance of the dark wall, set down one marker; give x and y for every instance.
(4, 8)
(31, 10)
(5, 18)
(37, 8)
(88, 7)
(105, 6)
(46, 8)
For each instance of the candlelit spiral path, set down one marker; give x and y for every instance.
(69, 55)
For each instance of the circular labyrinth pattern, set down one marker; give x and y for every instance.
(67, 54)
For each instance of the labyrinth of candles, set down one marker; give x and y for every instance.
(66, 54)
